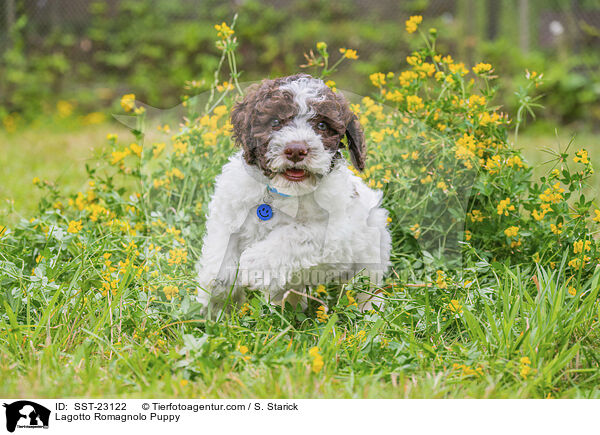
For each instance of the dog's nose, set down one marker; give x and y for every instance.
(296, 151)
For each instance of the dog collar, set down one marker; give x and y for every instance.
(273, 190)
(264, 211)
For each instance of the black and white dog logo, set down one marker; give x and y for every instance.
(26, 414)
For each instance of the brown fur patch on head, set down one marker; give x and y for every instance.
(252, 120)
(335, 111)
(356, 142)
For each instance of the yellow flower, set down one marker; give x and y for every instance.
(210, 138)
(481, 68)
(413, 23)
(572, 291)
(244, 310)
(349, 53)
(317, 363)
(180, 148)
(426, 69)
(580, 246)
(525, 367)
(597, 218)
(577, 264)
(465, 149)
(476, 216)
(556, 229)
(455, 306)
(128, 102)
(117, 156)
(75, 227)
(136, 149)
(226, 86)
(414, 103)
(223, 30)
(525, 371)
(321, 289)
(581, 156)
(170, 291)
(351, 300)
(511, 231)
(175, 172)
(514, 161)
(243, 349)
(416, 231)
(64, 109)
(93, 118)
(552, 195)
(221, 110)
(504, 207)
(321, 46)
(493, 164)
(35, 180)
(539, 216)
(441, 280)
(177, 256)
(485, 118)
(322, 315)
(158, 148)
(378, 79)
(458, 68)
(476, 100)
(406, 78)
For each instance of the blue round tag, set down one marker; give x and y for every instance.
(264, 212)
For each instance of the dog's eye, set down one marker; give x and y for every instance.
(275, 122)
(322, 126)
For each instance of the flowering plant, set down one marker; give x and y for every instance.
(109, 272)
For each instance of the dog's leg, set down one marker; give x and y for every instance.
(270, 264)
(217, 268)
(294, 298)
(367, 301)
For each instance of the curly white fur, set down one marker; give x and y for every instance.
(330, 228)
(333, 233)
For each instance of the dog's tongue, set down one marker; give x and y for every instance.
(295, 173)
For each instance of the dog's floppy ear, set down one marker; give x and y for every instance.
(356, 143)
(354, 133)
(241, 117)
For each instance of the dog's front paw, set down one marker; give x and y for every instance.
(256, 272)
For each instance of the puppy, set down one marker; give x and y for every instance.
(287, 213)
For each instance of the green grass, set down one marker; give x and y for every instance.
(57, 154)
(539, 149)
(409, 349)
(519, 333)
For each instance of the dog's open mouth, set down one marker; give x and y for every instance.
(295, 174)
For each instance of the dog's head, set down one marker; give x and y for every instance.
(292, 129)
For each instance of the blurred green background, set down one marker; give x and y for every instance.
(65, 63)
